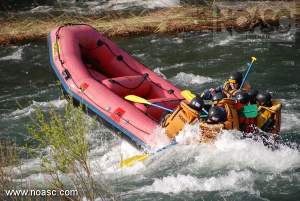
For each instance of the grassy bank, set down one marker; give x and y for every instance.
(59, 142)
(169, 20)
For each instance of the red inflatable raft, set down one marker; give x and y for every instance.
(97, 73)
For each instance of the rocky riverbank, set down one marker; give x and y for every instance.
(218, 17)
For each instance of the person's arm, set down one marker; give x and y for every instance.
(208, 93)
(219, 89)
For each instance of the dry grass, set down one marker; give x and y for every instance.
(169, 20)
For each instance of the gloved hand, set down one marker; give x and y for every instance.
(206, 95)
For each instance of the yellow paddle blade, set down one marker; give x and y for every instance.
(188, 95)
(253, 59)
(137, 99)
(129, 162)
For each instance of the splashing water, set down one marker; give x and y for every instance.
(233, 181)
(24, 112)
(186, 79)
(16, 55)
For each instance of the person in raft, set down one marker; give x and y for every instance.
(252, 96)
(187, 112)
(216, 121)
(235, 119)
(219, 100)
(247, 125)
(269, 112)
(229, 88)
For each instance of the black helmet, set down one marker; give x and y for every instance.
(242, 97)
(218, 96)
(264, 99)
(237, 76)
(252, 95)
(197, 104)
(216, 115)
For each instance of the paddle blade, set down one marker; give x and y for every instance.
(129, 162)
(249, 111)
(137, 99)
(188, 95)
(253, 59)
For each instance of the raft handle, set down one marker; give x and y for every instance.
(120, 58)
(170, 91)
(99, 43)
(66, 74)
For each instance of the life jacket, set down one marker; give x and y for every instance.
(272, 113)
(229, 92)
(175, 122)
(247, 125)
(232, 121)
(210, 131)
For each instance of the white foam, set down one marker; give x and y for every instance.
(16, 98)
(228, 151)
(175, 66)
(290, 104)
(233, 181)
(16, 55)
(124, 4)
(178, 40)
(154, 40)
(231, 152)
(28, 166)
(289, 121)
(19, 113)
(159, 73)
(109, 163)
(105, 159)
(159, 139)
(288, 36)
(218, 41)
(186, 79)
(41, 9)
(161, 3)
(190, 134)
(138, 55)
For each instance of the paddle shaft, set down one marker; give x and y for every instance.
(247, 73)
(161, 107)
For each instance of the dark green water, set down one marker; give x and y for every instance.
(231, 169)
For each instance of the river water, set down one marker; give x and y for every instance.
(85, 6)
(230, 169)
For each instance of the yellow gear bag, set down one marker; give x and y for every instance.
(175, 122)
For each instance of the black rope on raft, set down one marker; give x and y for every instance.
(100, 43)
(65, 69)
(130, 88)
(170, 91)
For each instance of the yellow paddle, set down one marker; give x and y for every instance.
(141, 100)
(188, 95)
(129, 162)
